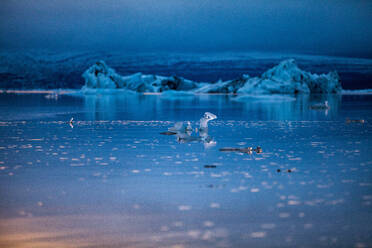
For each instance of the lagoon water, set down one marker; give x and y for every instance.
(112, 180)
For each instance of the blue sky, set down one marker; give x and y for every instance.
(335, 27)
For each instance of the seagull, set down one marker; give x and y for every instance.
(71, 122)
(205, 119)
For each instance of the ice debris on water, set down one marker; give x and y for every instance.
(284, 78)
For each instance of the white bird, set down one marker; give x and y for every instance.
(71, 122)
(205, 119)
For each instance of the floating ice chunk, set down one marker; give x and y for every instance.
(194, 233)
(293, 202)
(258, 234)
(178, 224)
(268, 226)
(164, 229)
(208, 223)
(184, 207)
(214, 205)
(284, 215)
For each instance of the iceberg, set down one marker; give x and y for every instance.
(285, 78)
(231, 86)
(100, 76)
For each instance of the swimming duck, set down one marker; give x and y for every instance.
(354, 121)
(258, 149)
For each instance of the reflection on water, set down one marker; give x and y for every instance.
(97, 231)
(108, 107)
(113, 180)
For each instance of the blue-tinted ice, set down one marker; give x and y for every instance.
(110, 179)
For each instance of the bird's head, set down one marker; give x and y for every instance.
(209, 116)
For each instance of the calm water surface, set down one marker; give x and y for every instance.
(112, 180)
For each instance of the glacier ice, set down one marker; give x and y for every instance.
(285, 78)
